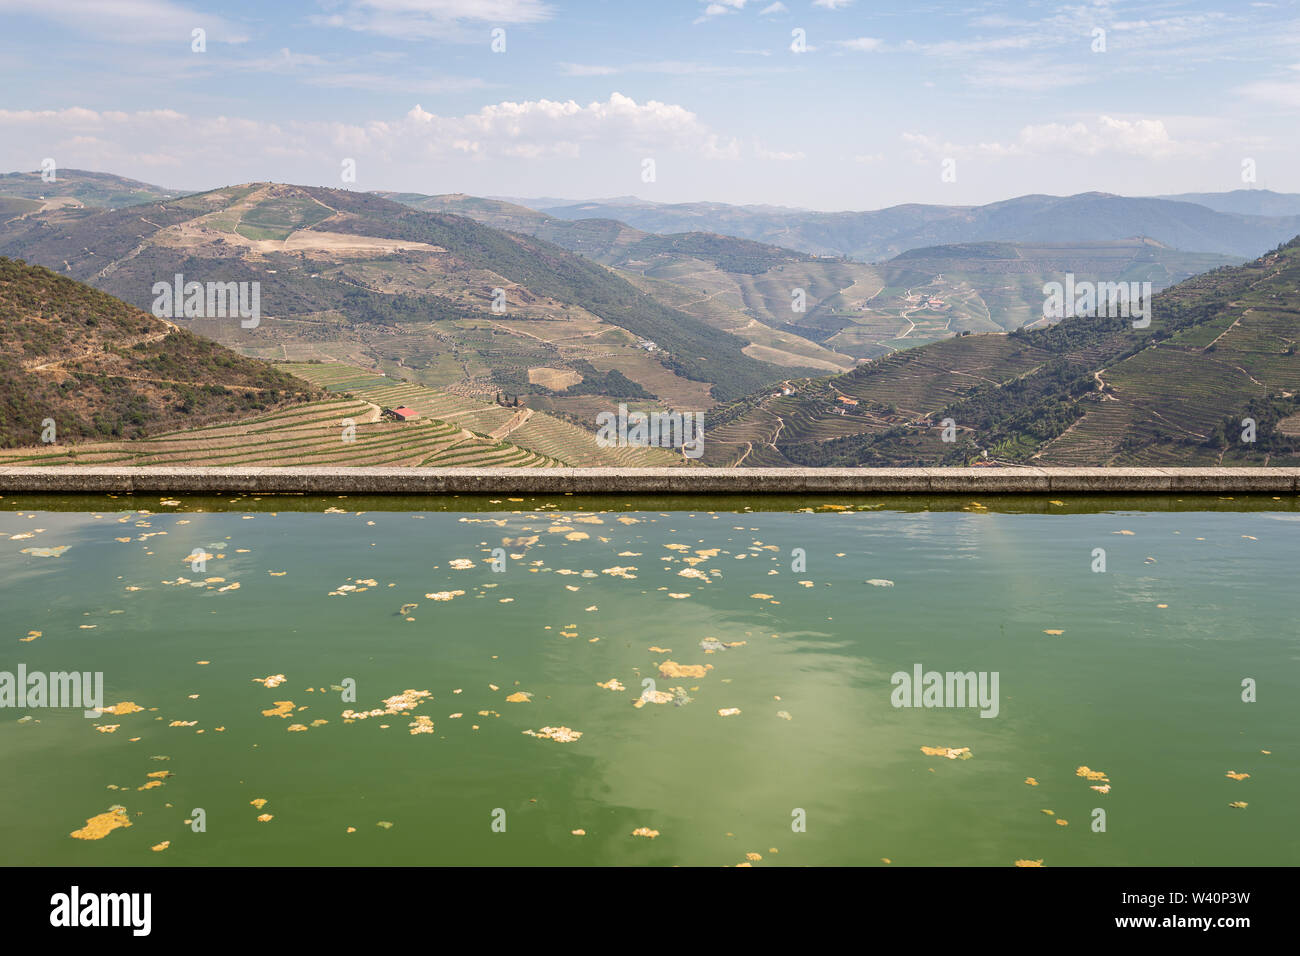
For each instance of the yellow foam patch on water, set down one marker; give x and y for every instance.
(673, 669)
(53, 552)
(282, 708)
(421, 725)
(645, 832)
(1031, 781)
(259, 802)
(563, 735)
(126, 707)
(1029, 862)
(100, 826)
(952, 753)
(1236, 776)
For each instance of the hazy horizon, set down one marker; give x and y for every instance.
(542, 201)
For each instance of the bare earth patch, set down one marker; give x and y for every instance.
(556, 379)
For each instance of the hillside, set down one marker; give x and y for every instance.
(883, 233)
(360, 279)
(80, 187)
(101, 368)
(1221, 347)
(122, 386)
(853, 311)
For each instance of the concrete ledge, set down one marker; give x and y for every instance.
(79, 479)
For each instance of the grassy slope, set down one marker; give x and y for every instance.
(100, 367)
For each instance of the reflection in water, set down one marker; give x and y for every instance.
(501, 707)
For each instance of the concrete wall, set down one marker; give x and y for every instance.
(687, 481)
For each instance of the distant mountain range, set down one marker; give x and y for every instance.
(1245, 202)
(884, 233)
(853, 311)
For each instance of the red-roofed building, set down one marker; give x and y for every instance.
(401, 413)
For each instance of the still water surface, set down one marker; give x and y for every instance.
(1144, 682)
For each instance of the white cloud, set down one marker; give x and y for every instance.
(718, 8)
(862, 44)
(582, 69)
(1108, 135)
(670, 68)
(777, 156)
(220, 146)
(831, 4)
(773, 9)
(136, 21)
(431, 18)
(285, 61)
(1276, 92)
(394, 83)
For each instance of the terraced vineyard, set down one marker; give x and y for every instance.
(314, 434)
(558, 442)
(1220, 352)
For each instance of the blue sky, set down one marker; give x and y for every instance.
(1010, 98)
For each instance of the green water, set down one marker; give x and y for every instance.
(1149, 695)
